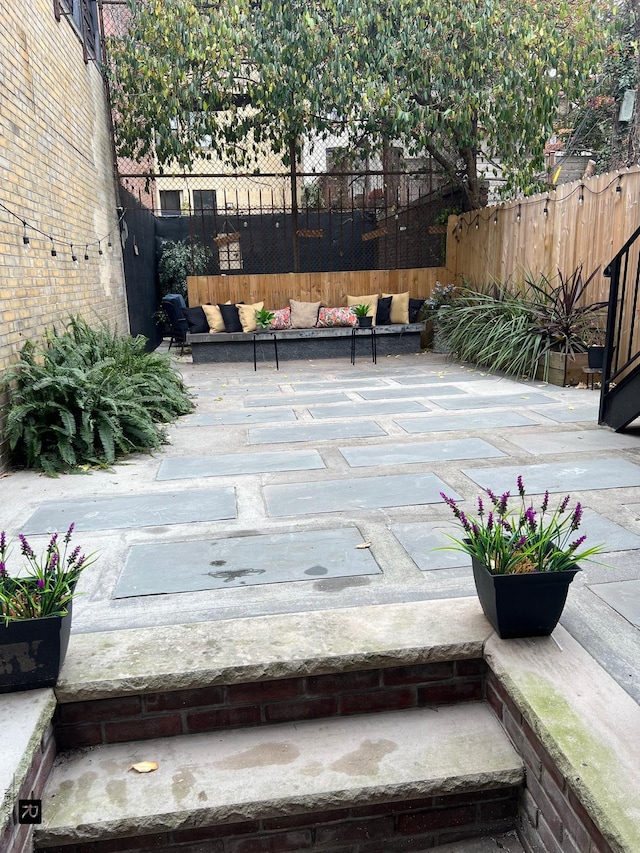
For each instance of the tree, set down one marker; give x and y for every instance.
(447, 77)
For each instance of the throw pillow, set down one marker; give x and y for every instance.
(414, 309)
(214, 318)
(197, 320)
(231, 318)
(383, 313)
(331, 317)
(304, 315)
(371, 301)
(281, 319)
(247, 314)
(399, 307)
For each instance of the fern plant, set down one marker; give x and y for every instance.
(87, 396)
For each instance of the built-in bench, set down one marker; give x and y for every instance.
(305, 343)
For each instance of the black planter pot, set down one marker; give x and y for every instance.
(526, 605)
(595, 357)
(365, 322)
(32, 652)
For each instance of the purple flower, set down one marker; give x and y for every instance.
(53, 561)
(577, 517)
(545, 501)
(27, 550)
(502, 506)
(3, 569)
(564, 503)
(530, 518)
(464, 521)
(520, 487)
(52, 542)
(575, 545)
(3, 541)
(490, 521)
(67, 535)
(492, 497)
(40, 583)
(71, 559)
(475, 529)
(80, 562)
(521, 541)
(451, 503)
(480, 506)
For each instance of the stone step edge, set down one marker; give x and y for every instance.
(293, 768)
(173, 657)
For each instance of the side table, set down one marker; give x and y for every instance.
(263, 335)
(371, 331)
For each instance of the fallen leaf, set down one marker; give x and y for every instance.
(144, 767)
(364, 545)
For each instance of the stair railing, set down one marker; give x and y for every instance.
(621, 352)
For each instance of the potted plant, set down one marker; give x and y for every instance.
(35, 612)
(523, 560)
(440, 301)
(264, 318)
(361, 311)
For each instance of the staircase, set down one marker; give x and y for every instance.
(620, 394)
(349, 731)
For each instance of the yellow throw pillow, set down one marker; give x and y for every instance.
(371, 301)
(247, 314)
(214, 318)
(399, 307)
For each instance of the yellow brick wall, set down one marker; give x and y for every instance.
(56, 173)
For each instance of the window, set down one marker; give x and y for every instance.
(84, 14)
(204, 200)
(170, 202)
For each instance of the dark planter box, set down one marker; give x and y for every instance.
(595, 357)
(365, 322)
(32, 652)
(525, 605)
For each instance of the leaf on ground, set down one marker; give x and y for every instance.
(144, 766)
(363, 545)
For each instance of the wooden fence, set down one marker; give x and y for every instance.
(585, 222)
(331, 288)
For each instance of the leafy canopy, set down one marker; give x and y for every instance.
(443, 76)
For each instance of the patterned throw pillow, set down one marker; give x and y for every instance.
(281, 319)
(328, 317)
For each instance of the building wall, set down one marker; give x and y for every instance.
(56, 174)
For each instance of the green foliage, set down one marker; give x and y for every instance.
(360, 310)
(87, 396)
(445, 77)
(178, 260)
(264, 318)
(525, 540)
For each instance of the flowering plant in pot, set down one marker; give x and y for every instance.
(361, 311)
(35, 611)
(523, 559)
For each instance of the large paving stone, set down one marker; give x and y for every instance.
(623, 596)
(411, 392)
(315, 432)
(583, 441)
(461, 423)
(238, 417)
(244, 561)
(429, 546)
(568, 413)
(495, 401)
(129, 511)
(571, 476)
(357, 409)
(296, 399)
(424, 451)
(356, 493)
(189, 467)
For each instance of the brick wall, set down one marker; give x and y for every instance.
(179, 712)
(551, 817)
(16, 837)
(56, 173)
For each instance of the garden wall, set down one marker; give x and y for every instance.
(584, 222)
(57, 176)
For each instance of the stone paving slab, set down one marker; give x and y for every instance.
(315, 432)
(496, 400)
(342, 381)
(410, 391)
(189, 467)
(567, 414)
(571, 476)
(244, 561)
(623, 596)
(424, 543)
(130, 511)
(440, 376)
(424, 451)
(297, 399)
(281, 769)
(582, 441)
(356, 493)
(461, 423)
(231, 418)
(356, 409)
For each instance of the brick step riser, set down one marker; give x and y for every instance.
(203, 709)
(383, 828)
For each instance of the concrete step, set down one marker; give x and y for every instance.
(373, 782)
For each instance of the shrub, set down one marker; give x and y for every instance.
(88, 396)
(178, 260)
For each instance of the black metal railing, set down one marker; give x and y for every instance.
(622, 351)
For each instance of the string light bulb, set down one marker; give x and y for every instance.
(25, 236)
(495, 219)
(545, 209)
(53, 248)
(74, 257)
(86, 252)
(618, 187)
(100, 252)
(581, 196)
(519, 213)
